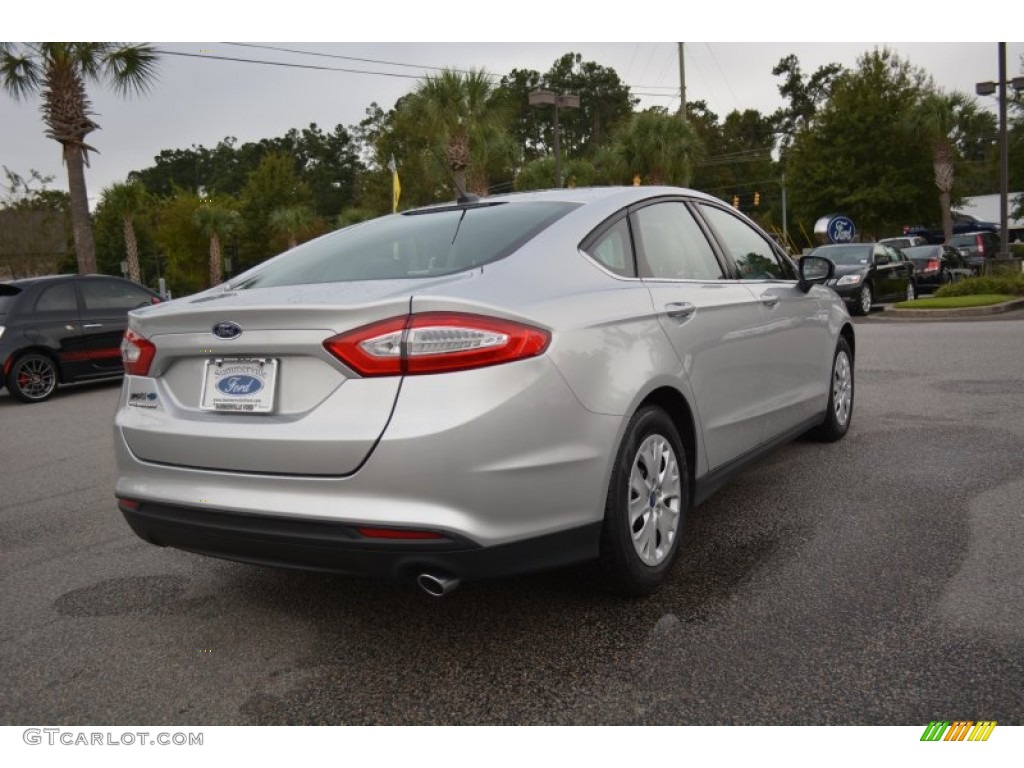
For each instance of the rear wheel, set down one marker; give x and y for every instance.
(32, 378)
(647, 501)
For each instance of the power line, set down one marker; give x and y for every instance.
(286, 64)
(673, 90)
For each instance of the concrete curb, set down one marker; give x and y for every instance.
(992, 309)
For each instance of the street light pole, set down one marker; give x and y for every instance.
(987, 89)
(565, 101)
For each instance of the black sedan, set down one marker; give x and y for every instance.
(62, 329)
(937, 265)
(868, 274)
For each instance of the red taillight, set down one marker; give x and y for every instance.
(932, 265)
(137, 353)
(435, 342)
(397, 533)
(981, 244)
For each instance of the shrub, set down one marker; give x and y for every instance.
(1009, 285)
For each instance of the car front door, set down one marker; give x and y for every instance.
(793, 340)
(105, 306)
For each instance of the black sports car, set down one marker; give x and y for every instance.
(62, 329)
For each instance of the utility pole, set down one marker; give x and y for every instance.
(785, 221)
(682, 84)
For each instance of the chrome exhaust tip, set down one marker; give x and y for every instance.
(436, 585)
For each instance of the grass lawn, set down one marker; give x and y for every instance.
(955, 302)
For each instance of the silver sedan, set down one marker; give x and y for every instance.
(479, 389)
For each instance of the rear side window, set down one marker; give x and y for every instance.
(613, 249)
(57, 298)
(413, 245)
(8, 297)
(673, 245)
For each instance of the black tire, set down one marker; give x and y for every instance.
(651, 440)
(865, 299)
(837, 419)
(33, 378)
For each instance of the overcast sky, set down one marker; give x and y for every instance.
(202, 100)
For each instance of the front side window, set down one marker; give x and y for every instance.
(417, 244)
(753, 254)
(673, 245)
(113, 294)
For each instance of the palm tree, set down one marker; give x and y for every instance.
(937, 118)
(216, 219)
(128, 201)
(291, 222)
(658, 147)
(58, 73)
(466, 124)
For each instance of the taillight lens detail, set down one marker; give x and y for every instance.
(436, 342)
(137, 353)
(931, 266)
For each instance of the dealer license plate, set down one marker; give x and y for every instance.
(239, 384)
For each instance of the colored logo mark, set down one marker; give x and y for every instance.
(961, 730)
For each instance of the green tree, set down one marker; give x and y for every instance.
(936, 120)
(128, 201)
(657, 146)
(58, 74)
(273, 185)
(540, 174)
(855, 158)
(292, 222)
(463, 122)
(183, 244)
(216, 218)
(35, 227)
(805, 96)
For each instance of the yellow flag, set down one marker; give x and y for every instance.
(396, 185)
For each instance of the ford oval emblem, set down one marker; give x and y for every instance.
(227, 330)
(240, 385)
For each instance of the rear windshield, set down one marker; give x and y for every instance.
(922, 251)
(962, 240)
(413, 245)
(845, 254)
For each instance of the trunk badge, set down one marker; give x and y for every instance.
(227, 330)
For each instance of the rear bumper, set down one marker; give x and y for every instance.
(319, 545)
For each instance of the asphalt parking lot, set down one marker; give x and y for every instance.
(878, 580)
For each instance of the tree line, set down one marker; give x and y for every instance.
(878, 142)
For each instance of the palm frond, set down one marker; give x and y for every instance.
(131, 68)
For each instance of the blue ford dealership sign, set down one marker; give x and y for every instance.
(841, 230)
(834, 228)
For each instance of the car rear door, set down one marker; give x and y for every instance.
(713, 323)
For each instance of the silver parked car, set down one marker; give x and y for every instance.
(480, 389)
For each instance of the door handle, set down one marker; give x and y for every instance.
(93, 325)
(769, 301)
(680, 310)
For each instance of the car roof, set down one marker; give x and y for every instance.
(582, 195)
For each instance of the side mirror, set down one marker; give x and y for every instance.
(815, 270)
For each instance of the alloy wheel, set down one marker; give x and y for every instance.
(842, 387)
(654, 500)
